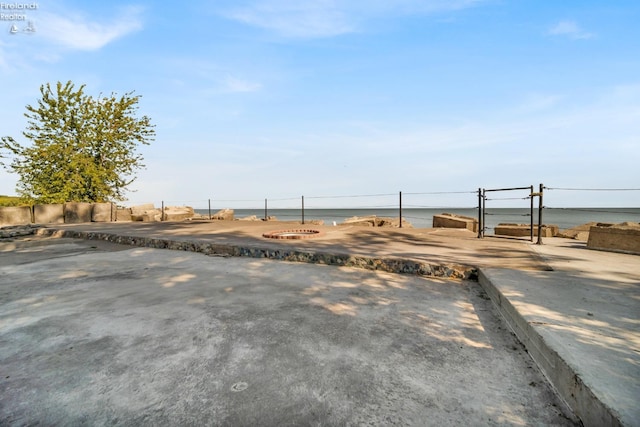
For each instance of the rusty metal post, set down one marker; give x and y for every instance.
(531, 214)
(480, 213)
(400, 213)
(540, 207)
(484, 210)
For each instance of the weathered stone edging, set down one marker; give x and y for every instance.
(11, 231)
(391, 265)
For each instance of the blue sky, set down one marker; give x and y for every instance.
(257, 99)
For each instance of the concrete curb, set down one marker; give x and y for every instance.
(391, 265)
(562, 376)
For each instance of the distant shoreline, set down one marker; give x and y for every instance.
(423, 217)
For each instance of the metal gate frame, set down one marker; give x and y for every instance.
(482, 198)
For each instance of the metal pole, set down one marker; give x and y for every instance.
(479, 213)
(540, 206)
(209, 209)
(302, 209)
(400, 209)
(531, 213)
(484, 210)
(265, 209)
(162, 212)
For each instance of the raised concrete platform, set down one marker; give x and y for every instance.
(580, 323)
(575, 310)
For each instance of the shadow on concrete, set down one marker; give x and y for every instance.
(149, 336)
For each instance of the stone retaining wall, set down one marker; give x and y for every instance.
(79, 212)
(103, 212)
(48, 214)
(15, 215)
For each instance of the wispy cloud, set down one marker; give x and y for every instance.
(203, 77)
(534, 102)
(295, 19)
(79, 32)
(233, 84)
(569, 29)
(328, 18)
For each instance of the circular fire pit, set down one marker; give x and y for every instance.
(292, 234)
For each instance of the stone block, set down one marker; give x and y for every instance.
(178, 213)
(145, 213)
(376, 221)
(579, 232)
(15, 215)
(448, 220)
(224, 214)
(152, 215)
(141, 209)
(368, 221)
(77, 212)
(123, 214)
(103, 212)
(523, 230)
(623, 238)
(48, 214)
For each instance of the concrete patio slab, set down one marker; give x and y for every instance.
(96, 333)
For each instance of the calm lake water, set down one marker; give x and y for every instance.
(423, 218)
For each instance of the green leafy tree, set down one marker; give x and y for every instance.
(82, 149)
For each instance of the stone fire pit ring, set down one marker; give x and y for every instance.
(292, 234)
